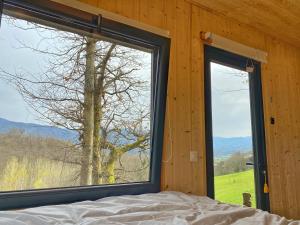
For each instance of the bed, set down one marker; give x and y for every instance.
(147, 209)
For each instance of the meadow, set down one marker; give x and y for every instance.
(229, 187)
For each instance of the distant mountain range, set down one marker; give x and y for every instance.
(226, 146)
(223, 147)
(39, 130)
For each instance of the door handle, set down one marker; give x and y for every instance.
(249, 163)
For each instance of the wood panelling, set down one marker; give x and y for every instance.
(281, 95)
(277, 18)
(184, 127)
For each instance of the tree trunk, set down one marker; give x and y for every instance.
(88, 114)
(98, 94)
(97, 173)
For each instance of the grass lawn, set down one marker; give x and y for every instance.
(229, 188)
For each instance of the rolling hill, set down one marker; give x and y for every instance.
(38, 130)
(226, 146)
(222, 146)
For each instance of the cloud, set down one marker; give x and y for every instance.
(230, 102)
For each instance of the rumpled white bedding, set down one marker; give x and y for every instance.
(147, 209)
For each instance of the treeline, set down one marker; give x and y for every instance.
(18, 143)
(233, 164)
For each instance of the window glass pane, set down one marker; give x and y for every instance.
(232, 136)
(74, 109)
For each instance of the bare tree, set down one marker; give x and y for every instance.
(89, 86)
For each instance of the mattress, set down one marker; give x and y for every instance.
(147, 209)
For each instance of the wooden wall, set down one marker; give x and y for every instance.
(184, 128)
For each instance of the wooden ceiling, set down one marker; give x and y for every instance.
(279, 18)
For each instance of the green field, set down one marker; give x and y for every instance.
(229, 188)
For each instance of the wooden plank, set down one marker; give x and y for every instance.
(198, 107)
(168, 176)
(182, 167)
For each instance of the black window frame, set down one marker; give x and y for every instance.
(222, 57)
(87, 22)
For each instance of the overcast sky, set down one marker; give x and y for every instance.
(230, 102)
(12, 105)
(230, 94)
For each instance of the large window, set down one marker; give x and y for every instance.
(82, 102)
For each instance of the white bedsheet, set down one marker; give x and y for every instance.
(148, 209)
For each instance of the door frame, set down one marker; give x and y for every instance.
(212, 54)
